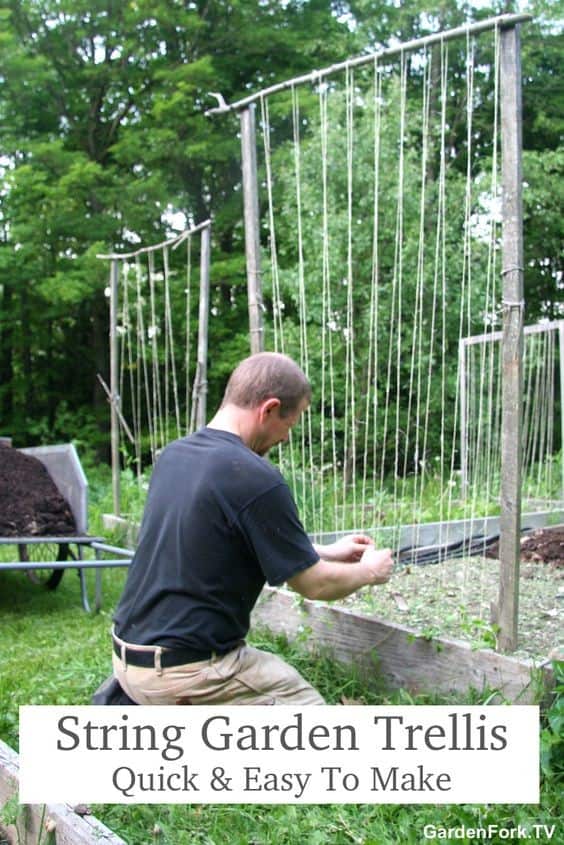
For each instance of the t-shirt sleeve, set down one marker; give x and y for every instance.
(273, 530)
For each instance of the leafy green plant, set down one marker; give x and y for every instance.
(552, 733)
(482, 634)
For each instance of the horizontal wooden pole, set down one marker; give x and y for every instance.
(172, 242)
(501, 21)
(538, 328)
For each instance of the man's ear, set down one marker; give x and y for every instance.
(268, 406)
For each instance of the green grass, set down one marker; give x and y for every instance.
(51, 652)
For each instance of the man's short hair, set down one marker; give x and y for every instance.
(267, 375)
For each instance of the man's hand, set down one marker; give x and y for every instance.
(378, 564)
(328, 580)
(345, 550)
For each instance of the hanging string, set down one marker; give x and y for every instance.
(137, 380)
(306, 430)
(328, 318)
(277, 302)
(144, 358)
(349, 446)
(154, 330)
(416, 369)
(133, 393)
(464, 322)
(491, 297)
(550, 406)
(544, 415)
(170, 346)
(438, 272)
(188, 335)
(166, 346)
(371, 407)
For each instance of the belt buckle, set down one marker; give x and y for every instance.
(158, 656)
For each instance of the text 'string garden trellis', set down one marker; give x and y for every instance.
(394, 237)
(158, 381)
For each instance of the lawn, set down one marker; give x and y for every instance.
(54, 653)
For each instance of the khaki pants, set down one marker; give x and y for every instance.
(245, 675)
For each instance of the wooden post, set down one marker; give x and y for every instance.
(205, 247)
(512, 340)
(252, 226)
(114, 385)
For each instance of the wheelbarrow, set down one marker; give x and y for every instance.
(45, 558)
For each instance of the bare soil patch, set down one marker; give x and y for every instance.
(455, 598)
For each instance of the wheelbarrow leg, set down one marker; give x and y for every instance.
(83, 584)
(98, 599)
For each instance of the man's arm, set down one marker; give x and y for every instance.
(348, 549)
(328, 581)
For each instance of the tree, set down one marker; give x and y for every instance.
(103, 130)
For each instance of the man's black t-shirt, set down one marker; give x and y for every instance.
(219, 522)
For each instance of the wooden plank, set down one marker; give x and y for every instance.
(512, 342)
(252, 227)
(69, 827)
(392, 655)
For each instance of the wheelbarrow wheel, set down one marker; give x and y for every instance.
(36, 552)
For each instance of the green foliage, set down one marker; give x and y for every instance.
(552, 733)
(103, 130)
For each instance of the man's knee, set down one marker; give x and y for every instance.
(268, 673)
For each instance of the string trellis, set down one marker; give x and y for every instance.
(384, 179)
(543, 485)
(159, 349)
(375, 193)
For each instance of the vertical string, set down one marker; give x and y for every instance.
(416, 368)
(328, 317)
(438, 272)
(153, 335)
(171, 366)
(131, 371)
(187, 334)
(277, 302)
(144, 357)
(371, 407)
(308, 481)
(398, 276)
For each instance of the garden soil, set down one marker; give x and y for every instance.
(30, 503)
(454, 598)
(543, 545)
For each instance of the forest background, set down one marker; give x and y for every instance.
(104, 144)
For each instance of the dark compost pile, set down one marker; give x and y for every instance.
(30, 503)
(542, 545)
